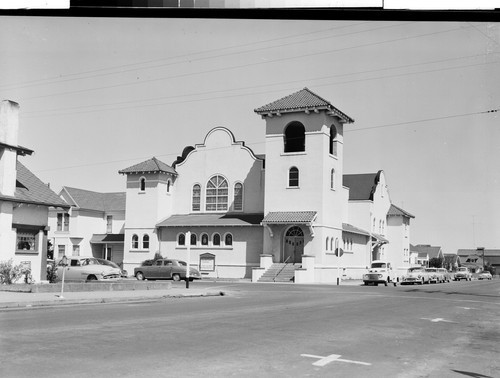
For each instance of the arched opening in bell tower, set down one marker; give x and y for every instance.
(295, 137)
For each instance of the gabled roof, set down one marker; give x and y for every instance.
(203, 220)
(152, 165)
(428, 249)
(492, 256)
(346, 227)
(303, 100)
(89, 200)
(397, 211)
(361, 186)
(30, 189)
(19, 149)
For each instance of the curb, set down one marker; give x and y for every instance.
(84, 301)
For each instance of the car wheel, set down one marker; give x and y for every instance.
(140, 276)
(92, 278)
(176, 277)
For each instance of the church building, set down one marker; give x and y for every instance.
(238, 214)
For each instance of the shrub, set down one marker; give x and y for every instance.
(51, 272)
(150, 262)
(9, 273)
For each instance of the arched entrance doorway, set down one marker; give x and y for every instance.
(294, 245)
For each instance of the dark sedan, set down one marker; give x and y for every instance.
(165, 269)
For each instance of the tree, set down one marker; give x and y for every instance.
(436, 262)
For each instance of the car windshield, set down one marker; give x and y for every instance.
(411, 270)
(430, 269)
(182, 263)
(378, 265)
(462, 269)
(107, 262)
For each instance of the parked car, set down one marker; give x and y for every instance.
(164, 269)
(415, 275)
(380, 272)
(446, 276)
(123, 273)
(433, 275)
(84, 268)
(463, 273)
(484, 275)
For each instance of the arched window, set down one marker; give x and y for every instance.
(331, 244)
(228, 239)
(216, 239)
(293, 177)
(145, 242)
(295, 137)
(332, 179)
(336, 244)
(193, 239)
(143, 184)
(181, 239)
(238, 196)
(196, 206)
(380, 227)
(168, 186)
(135, 241)
(326, 247)
(333, 140)
(374, 224)
(204, 239)
(216, 194)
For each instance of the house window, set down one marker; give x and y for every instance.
(109, 224)
(143, 184)
(135, 241)
(216, 194)
(66, 222)
(181, 239)
(26, 241)
(76, 250)
(204, 239)
(193, 239)
(196, 197)
(62, 221)
(168, 186)
(333, 140)
(238, 196)
(59, 221)
(295, 137)
(332, 179)
(228, 239)
(293, 177)
(145, 242)
(216, 240)
(61, 251)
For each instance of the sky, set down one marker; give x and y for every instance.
(98, 95)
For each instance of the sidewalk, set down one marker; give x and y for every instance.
(20, 299)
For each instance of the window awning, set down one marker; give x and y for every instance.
(107, 239)
(290, 217)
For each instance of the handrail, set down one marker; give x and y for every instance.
(284, 266)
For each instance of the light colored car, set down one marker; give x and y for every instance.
(165, 269)
(463, 273)
(434, 276)
(415, 275)
(380, 272)
(84, 268)
(484, 275)
(445, 275)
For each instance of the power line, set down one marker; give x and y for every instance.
(260, 143)
(243, 65)
(27, 114)
(57, 80)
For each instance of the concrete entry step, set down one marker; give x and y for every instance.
(280, 272)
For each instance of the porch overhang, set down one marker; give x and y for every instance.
(107, 239)
(305, 218)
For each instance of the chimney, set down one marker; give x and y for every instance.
(9, 128)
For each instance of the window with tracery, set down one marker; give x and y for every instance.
(216, 194)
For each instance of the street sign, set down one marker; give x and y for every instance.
(339, 252)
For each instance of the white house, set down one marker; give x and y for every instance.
(245, 212)
(24, 201)
(92, 226)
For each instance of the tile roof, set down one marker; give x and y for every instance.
(151, 165)
(428, 249)
(288, 217)
(397, 211)
(361, 186)
(89, 200)
(200, 220)
(302, 100)
(30, 189)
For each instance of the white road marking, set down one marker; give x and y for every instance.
(322, 361)
(468, 308)
(436, 320)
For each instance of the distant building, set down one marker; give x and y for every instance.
(24, 201)
(92, 226)
(239, 213)
(426, 252)
(474, 257)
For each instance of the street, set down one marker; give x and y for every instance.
(270, 330)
